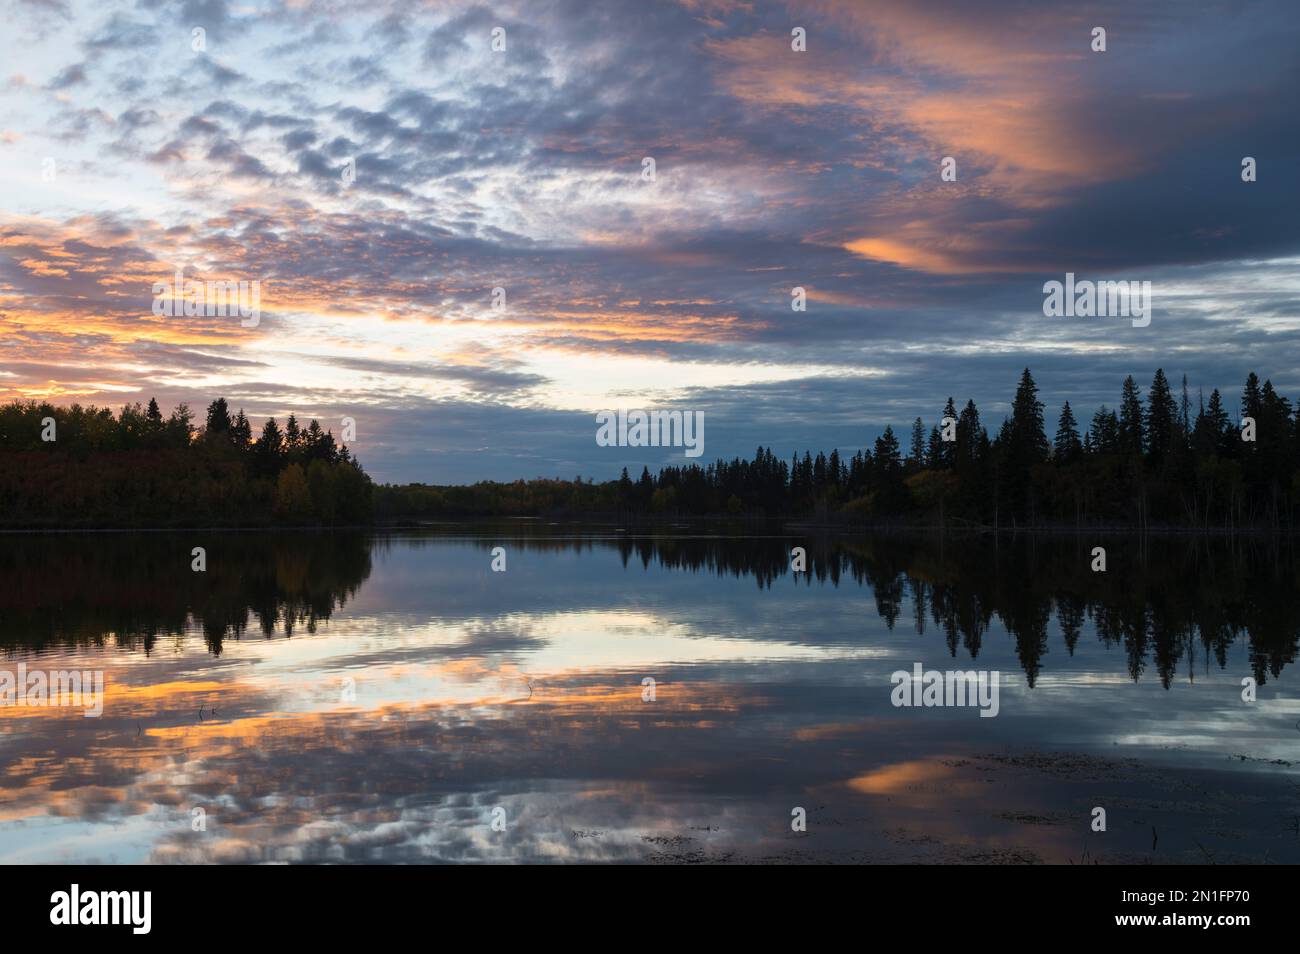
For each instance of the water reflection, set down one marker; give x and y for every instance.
(130, 590)
(343, 697)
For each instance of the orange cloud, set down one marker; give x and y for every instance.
(932, 81)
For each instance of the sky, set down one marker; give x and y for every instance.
(380, 169)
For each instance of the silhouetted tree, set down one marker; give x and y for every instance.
(1067, 448)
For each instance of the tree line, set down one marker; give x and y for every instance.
(1159, 459)
(85, 466)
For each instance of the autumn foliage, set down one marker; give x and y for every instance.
(71, 467)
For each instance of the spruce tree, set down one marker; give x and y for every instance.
(1067, 447)
(1161, 418)
(917, 457)
(1028, 440)
(1131, 431)
(950, 448)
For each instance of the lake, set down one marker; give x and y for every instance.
(609, 694)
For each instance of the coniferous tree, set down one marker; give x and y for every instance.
(1219, 427)
(935, 450)
(916, 459)
(1251, 401)
(891, 495)
(180, 426)
(241, 431)
(218, 421)
(950, 447)
(1132, 438)
(625, 491)
(1161, 418)
(292, 439)
(1067, 448)
(269, 448)
(1105, 431)
(887, 459)
(1028, 438)
(966, 449)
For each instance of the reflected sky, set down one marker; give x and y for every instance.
(379, 699)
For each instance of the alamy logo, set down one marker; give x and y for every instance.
(652, 429)
(57, 687)
(191, 298)
(1088, 299)
(103, 907)
(930, 688)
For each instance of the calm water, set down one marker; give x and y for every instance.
(326, 697)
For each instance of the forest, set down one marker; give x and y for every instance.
(1156, 460)
(75, 466)
(1159, 460)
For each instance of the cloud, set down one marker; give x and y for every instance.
(522, 170)
(68, 77)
